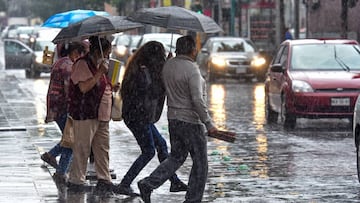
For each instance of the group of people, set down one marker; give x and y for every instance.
(80, 88)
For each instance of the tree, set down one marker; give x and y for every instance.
(345, 4)
(45, 8)
(3, 6)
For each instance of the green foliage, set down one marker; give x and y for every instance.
(45, 8)
(3, 6)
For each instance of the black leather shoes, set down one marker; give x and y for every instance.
(178, 187)
(145, 191)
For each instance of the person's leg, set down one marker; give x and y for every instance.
(83, 134)
(60, 121)
(179, 152)
(100, 147)
(50, 156)
(162, 152)
(199, 169)
(66, 153)
(145, 140)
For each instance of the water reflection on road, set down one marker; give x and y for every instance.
(315, 162)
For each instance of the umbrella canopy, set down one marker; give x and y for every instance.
(176, 18)
(61, 20)
(95, 26)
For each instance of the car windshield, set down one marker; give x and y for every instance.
(325, 57)
(40, 45)
(232, 46)
(169, 41)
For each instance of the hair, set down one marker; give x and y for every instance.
(95, 45)
(66, 49)
(185, 45)
(151, 55)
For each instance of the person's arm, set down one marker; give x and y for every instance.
(199, 102)
(87, 85)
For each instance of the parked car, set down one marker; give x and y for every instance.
(234, 57)
(41, 64)
(17, 54)
(312, 78)
(26, 34)
(356, 132)
(167, 39)
(123, 46)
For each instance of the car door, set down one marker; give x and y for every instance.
(277, 77)
(17, 56)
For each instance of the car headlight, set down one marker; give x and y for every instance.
(301, 86)
(39, 59)
(258, 61)
(121, 50)
(218, 61)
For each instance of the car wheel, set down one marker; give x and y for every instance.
(357, 145)
(271, 115)
(288, 120)
(32, 73)
(27, 73)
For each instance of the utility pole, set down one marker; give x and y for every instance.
(278, 35)
(220, 13)
(297, 27)
(232, 17)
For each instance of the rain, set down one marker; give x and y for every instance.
(314, 160)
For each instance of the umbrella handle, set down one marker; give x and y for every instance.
(101, 50)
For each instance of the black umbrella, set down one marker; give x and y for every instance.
(176, 18)
(95, 26)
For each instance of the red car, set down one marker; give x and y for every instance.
(313, 78)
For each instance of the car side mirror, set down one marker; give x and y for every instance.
(204, 50)
(278, 68)
(24, 51)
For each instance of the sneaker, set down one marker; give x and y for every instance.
(178, 187)
(124, 190)
(145, 191)
(60, 179)
(48, 158)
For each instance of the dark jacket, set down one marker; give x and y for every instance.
(144, 104)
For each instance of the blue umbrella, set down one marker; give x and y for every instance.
(61, 20)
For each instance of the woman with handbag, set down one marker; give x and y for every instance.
(57, 97)
(143, 95)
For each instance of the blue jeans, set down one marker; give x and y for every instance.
(185, 138)
(149, 139)
(66, 153)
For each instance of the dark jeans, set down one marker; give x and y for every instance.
(66, 153)
(149, 139)
(184, 138)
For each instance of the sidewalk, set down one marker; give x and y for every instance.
(24, 137)
(22, 177)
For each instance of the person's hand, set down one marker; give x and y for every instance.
(212, 130)
(116, 87)
(169, 56)
(104, 66)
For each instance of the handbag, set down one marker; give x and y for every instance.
(67, 139)
(116, 108)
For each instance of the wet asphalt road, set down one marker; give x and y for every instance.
(315, 162)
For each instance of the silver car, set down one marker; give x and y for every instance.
(222, 57)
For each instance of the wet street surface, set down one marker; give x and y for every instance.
(315, 162)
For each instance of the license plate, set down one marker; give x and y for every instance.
(240, 70)
(340, 101)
